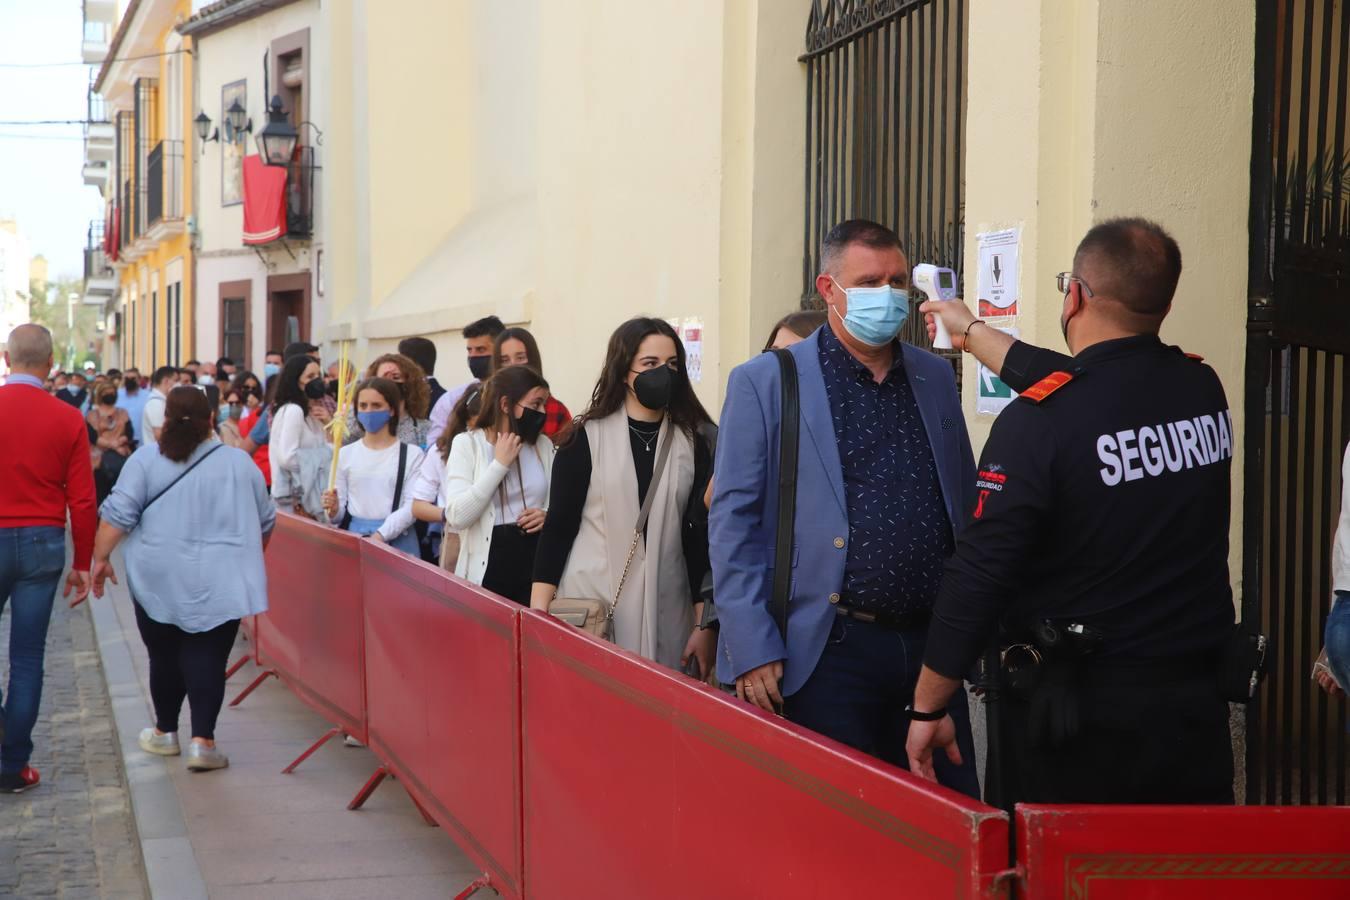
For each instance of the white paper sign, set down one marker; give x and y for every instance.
(992, 395)
(998, 275)
(691, 334)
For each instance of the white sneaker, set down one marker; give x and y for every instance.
(350, 741)
(201, 758)
(165, 744)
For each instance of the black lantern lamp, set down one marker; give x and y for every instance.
(276, 142)
(203, 123)
(237, 122)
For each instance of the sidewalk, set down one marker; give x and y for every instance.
(250, 831)
(73, 835)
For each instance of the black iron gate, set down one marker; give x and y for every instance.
(1297, 401)
(885, 104)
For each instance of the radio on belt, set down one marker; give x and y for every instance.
(938, 284)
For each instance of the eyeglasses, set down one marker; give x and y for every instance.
(1064, 279)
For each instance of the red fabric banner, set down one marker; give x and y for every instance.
(264, 201)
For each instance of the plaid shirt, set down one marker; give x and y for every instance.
(558, 418)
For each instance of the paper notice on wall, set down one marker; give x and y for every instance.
(993, 395)
(998, 275)
(690, 331)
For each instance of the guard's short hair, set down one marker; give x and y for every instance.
(1132, 260)
(488, 326)
(856, 231)
(30, 347)
(163, 373)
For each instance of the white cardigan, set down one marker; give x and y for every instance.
(472, 474)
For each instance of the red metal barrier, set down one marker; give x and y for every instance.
(443, 685)
(641, 784)
(312, 635)
(1163, 852)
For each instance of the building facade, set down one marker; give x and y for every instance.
(257, 284)
(144, 85)
(15, 265)
(684, 160)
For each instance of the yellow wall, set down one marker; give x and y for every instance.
(151, 350)
(1084, 110)
(564, 166)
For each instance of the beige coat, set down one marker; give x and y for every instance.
(654, 616)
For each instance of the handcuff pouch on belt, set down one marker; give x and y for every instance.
(1045, 673)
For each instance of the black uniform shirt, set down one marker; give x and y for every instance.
(1106, 503)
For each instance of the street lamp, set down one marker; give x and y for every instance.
(276, 142)
(203, 123)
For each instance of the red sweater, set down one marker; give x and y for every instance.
(45, 467)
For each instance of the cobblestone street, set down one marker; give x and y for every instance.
(73, 836)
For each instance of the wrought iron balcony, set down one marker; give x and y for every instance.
(99, 278)
(164, 183)
(300, 194)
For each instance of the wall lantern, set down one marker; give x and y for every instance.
(203, 123)
(237, 122)
(276, 142)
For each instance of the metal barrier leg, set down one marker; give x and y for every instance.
(253, 685)
(426, 816)
(328, 735)
(368, 788)
(480, 883)
(236, 666)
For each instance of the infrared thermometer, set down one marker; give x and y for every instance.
(938, 284)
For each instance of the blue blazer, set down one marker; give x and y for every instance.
(745, 505)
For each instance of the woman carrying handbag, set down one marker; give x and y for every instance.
(620, 542)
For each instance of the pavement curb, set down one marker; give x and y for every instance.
(171, 867)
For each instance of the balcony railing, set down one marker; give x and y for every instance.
(300, 194)
(95, 257)
(127, 210)
(164, 182)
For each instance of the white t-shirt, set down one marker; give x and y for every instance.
(430, 477)
(152, 417)
(292, 431)
(366, 480)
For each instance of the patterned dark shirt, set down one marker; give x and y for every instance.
(899, 531)
(556, 417)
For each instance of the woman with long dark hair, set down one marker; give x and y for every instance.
(299, 417)
(517, 347)
(601, 477)
(186, 510)
(429, 486)
(497, 484)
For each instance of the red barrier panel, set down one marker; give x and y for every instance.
(642, 784)
(1183, 852)
(443, 684)
(312, 634)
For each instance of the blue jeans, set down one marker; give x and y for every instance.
(858, 693)
(1337, 639)
(31, 561)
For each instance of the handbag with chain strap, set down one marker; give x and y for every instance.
(597, 616)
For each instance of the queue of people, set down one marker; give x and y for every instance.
(909, 562)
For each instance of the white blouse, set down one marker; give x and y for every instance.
(292, 431)
(366, 480)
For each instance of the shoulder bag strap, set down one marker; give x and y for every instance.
(789, 425)
(657, 469)
(181, 475)
(398, 484)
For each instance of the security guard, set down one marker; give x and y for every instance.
(1097, 551)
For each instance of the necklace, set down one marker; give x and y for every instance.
(641, 436)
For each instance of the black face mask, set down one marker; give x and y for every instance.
(316, 389)
(654, 387)
(529, 425)
(108, 399)
(480, 366)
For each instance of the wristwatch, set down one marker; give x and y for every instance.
(934, 716)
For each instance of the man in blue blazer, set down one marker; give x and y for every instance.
(885, 478)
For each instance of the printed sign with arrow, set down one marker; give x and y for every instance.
(997, 281)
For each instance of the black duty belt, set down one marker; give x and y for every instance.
(893, 621)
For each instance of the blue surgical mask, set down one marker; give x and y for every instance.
(222, 412)
(373, 422)
(875, 314)
(270, 369)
